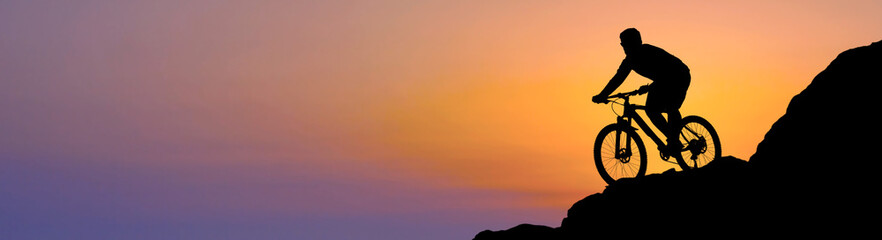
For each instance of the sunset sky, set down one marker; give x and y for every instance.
(270, 119)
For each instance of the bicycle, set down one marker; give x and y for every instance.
(613, 150)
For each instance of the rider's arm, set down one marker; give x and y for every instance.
(618, 79)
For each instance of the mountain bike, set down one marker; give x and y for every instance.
(619, 151)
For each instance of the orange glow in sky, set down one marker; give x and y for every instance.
(368, 109)
(501, 95)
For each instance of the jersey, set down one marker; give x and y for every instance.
(669, 74)
(656, 64)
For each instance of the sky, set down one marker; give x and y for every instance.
(360, 119)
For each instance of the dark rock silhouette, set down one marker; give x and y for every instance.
(814, 173)
(523, 231)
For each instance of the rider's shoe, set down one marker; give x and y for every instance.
(671, 148)
(667, 152)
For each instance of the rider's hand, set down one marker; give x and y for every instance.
(600, 99)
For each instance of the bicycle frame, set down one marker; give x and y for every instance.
(630, 115)
(698, 141)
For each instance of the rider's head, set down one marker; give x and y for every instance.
(630, 39)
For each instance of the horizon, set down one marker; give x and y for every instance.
(361, 119)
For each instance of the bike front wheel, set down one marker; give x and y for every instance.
(700, 142)
(619, 153)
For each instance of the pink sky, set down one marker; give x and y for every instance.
(359, 119)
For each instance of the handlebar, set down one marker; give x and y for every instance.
(642, 90)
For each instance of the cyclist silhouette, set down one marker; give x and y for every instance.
(670, 80)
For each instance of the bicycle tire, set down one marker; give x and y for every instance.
(608, 165)
(694, 136)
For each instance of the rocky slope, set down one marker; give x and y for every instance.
(812, 175)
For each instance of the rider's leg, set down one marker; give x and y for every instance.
(661, 100)
(674, 128)
(668, 126)
(667, 96)
(655, 116)
(655, 105)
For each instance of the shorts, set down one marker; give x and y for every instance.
(667, 96)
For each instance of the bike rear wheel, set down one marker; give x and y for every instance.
(700, 142)
(627, 159)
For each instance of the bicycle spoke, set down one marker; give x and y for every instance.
(614, 166)
(695, 131)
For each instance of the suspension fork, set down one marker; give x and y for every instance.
(623, 124)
